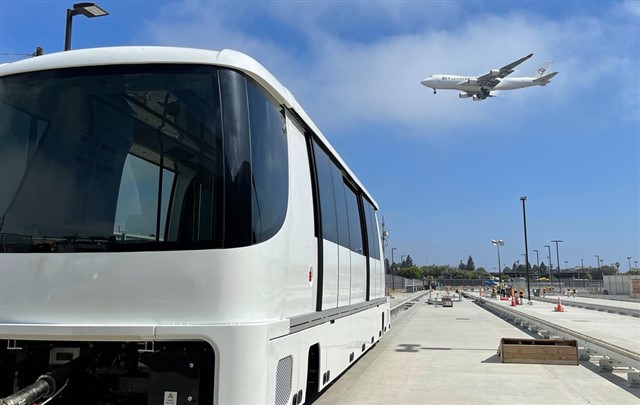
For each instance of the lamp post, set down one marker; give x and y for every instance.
(393, 273)
(89, 10)
(538, 265)
(385, 239)
(549, 257)
(558, 261)
(498, 243)
(526, 248)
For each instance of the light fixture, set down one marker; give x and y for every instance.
(89, 10)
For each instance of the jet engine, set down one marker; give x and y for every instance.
(494, 72)
(476, 98)
(463, 94)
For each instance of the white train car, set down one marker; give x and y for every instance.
(174, 229)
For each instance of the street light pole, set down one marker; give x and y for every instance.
(393, 272)
(89, 10)
(498, 243)
(526, 247)
(538, 265)
(549, 257)
(558, 261)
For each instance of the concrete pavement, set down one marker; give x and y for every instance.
(448, 356)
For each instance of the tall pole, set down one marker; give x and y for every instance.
(499, 268)
(67, 33)
(629, 259)
(558, 261)
(598, 257)
(393, 272)
(538, 265)
(549, 257)
(498, 243)
(89, 10)
(385, 242)
(526, 247)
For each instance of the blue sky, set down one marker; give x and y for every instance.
(447, 173)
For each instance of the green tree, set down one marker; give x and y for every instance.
(609, 270)
(470, 265)
(482, 273)
(408, 262)
(410, 272)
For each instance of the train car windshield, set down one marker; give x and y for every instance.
(139, 157)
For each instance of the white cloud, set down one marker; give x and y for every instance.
(344, 77)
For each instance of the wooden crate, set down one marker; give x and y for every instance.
(538, 351)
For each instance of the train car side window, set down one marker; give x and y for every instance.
(372, 231)
(327, 196)
(341, 207)
(269, 174)
(355, 229)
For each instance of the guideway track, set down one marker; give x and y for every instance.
(616, 353)
(595, 307)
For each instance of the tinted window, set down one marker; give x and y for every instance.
(269, 165)
(136, 157)
(341, 207)
(237, 162)
(372, 231)
(327, 196)
(355, 229)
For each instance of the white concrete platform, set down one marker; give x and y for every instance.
(446, 355)
(619, 330)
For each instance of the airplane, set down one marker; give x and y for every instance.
(481, 87)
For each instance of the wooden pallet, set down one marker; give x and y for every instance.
(538, 351)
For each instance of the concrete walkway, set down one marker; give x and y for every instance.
(447, 355)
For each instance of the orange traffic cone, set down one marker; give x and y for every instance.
(513, 300)
(559, 307)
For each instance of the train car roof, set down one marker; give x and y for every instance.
(173, 55)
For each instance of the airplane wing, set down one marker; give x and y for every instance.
(491, 79)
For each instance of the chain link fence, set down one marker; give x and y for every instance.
(397, 283)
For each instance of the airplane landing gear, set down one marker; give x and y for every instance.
(434, 91)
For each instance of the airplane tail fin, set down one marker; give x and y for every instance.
(541, 70)
(544, 80)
